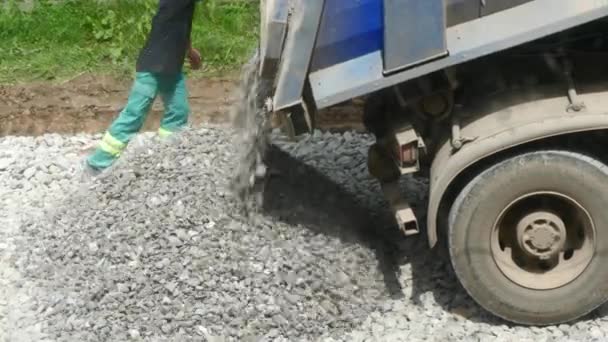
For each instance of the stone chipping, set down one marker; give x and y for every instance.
(157, 250)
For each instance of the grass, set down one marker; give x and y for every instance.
(59, 40)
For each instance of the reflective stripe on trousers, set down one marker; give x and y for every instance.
(111, 145)
(164, 133)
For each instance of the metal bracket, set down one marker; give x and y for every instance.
(269, 105)
(404, 214)
(575, 104)
(299, 118)
(407, 137)
(458, 141)
(395, 155)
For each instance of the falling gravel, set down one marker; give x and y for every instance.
(157, 250)
(251, 120)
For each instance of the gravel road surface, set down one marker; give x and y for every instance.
(156, 250)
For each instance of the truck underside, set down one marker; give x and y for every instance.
(503, 104)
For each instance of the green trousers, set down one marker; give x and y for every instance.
(146, 87)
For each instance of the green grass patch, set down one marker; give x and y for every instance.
(59, 40)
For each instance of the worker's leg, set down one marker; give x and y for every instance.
(175, 98)
(128, 123)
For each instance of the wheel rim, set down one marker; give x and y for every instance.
(543, 240)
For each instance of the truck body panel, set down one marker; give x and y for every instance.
(465, 42)
(329, 39)
(404, 46)
(352, 29)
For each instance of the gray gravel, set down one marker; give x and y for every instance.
(156, 250)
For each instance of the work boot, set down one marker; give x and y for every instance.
(88, 172)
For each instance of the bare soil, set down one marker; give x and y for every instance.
(89, 103)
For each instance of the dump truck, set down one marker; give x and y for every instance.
(502, 104)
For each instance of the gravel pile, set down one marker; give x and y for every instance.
(156, 250)
(35, 174)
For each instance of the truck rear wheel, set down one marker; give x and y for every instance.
(528, 237)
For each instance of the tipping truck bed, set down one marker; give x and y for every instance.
(346, 49)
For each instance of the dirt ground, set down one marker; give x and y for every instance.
(89, 103)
